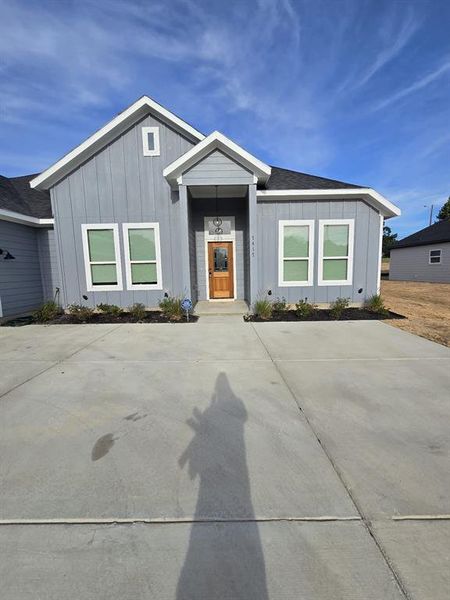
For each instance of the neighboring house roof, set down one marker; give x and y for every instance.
(19, 202)
(438, 233)
(285, 179)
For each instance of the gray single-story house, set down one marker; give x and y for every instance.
(149, 206)
(423, 256)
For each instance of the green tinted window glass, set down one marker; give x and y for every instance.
(103, 274)
(295, 270)
(335, 240)
(142, 244)
(143, 273)
(335, 270)
(101, 245)
(296, 241)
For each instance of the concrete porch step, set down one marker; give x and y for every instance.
(236, 307)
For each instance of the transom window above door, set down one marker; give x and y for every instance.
(295, 253)
(336, 251)
(142, 256)
(102, 257)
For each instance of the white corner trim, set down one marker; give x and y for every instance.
(384, 206)
(440, 256)
(15, 217)
(230, 237)
(216, 140)
(301, 222)
(380, 254)
(145, 149)
(105, 134)
(348, 257)
(90, 287)
(144, 286)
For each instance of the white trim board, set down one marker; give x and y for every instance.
(15, 217)
(106, 134)
(230, 237)
(216, 141)
(90, 287)
(348, 257)
(146, 286)
(386, 208)
(293, 222)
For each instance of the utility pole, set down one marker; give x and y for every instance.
(431, 212)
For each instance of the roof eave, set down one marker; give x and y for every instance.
(15, 217)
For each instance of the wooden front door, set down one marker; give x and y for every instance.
(220, 270)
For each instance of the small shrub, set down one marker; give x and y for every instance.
(47, 312)
(110, 309)
(263, 308)
(304, 309)
(338, 307)
(375, 304)
(279, 304)
(137, 311)
(80, 313)
(171, 307)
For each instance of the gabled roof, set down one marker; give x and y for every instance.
(106, 134)
(285, 179)
(439, 233)
(216, 141)
(20, 203)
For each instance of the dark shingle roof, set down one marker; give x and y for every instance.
(285, 179)
(17, 195)
(438, 233)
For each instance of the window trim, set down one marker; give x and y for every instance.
(440, 256)
(296, 222)
(91, 287)
(351, 238)
(146, 150)
(126, 244)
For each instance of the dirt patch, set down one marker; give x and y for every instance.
(426, 307)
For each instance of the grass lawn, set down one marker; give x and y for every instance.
(426, 306)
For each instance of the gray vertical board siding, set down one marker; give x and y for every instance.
(412, 264)
(120, 185)
(217, 169)
(48, 259)
(233, 207)
(365, 257)
(20, 279)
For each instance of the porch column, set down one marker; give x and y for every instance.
(252, 235)
(184, 242)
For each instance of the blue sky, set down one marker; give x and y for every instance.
(357, 90)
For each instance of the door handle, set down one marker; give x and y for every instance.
(210, 274)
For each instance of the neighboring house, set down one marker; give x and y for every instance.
(149, 206)
(423, 256)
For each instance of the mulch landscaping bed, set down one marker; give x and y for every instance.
(153, 316)
(349, 314)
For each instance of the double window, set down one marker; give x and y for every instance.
(335, 251)
(435, 257)
(295, 249)
(102, 260)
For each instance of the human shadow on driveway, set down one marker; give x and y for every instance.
(224, 560)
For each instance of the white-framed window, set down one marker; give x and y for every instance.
(150, 141)
(336, 237)
(142, 256)
(295, 253)
(102, 257)
(435, 257)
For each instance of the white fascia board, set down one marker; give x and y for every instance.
(106, 134)
(15, 217)
(216, 141)
(386, 208)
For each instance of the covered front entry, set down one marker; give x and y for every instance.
(220, 270)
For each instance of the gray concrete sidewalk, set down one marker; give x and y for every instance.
(278, 456)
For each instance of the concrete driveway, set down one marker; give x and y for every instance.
(224, 460)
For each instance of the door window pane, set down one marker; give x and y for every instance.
(295, 270)
(335, 240)
(104, 274)
(296, 241)
(143, 273)
(101, 245)
(335, 269)
(142, 244)
(220, 259)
